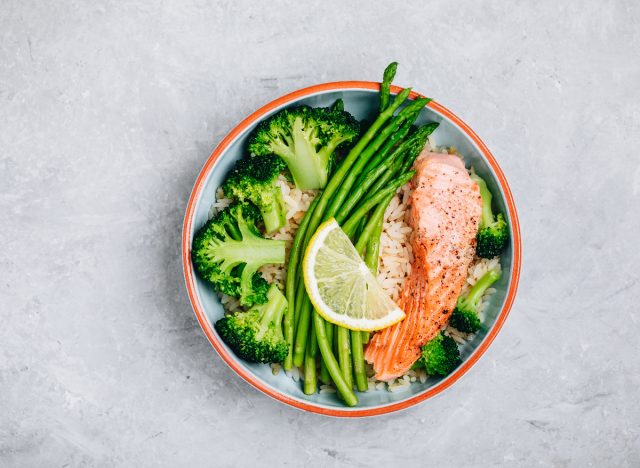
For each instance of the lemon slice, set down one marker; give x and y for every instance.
(341, 287)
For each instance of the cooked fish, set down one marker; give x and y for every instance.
(444, 212)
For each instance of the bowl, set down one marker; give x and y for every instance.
(360, 99)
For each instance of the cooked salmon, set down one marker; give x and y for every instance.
(444, 212)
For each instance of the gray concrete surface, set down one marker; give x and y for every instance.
(108, 110)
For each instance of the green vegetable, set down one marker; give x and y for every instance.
(385, 87)
(409, 112)
(386, 152)
(385, 171)
(294, 259)
(372, 247)
(411, 148)
(371, 230)
(373, 200)
(228, 250)
(310, 377)
(493, 234)
(344, 355)
(359, 151)
(371, 159)
(465, 315)
(253, 179)
(302, 332)
(419, 139)
(396, 162)
(357, 353)
(440, 356)
(344, 389)
(315, 218)
(256, 335)
(324, 372)
(338, 105)
(306, 139)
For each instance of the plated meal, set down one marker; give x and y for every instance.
(351, 255)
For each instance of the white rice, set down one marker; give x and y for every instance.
(394, 267)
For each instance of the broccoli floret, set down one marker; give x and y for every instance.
(256, 335)
(306, 138)
(465, 315)
(228, 250)
(440, 356)
(253, 179)
(493, 234)
(338, 105)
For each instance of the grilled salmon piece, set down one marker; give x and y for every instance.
(444, 212)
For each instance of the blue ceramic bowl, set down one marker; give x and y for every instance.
(360, 99)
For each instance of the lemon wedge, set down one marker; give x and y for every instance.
(341, 287)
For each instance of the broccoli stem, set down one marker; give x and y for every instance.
(344, 355)
(385, 87)
(310, 377)
(259, 251)
(477, 290)
(272, 312)
(345, 390)
(309, 169)
(274, 217)
(290, 318)
(487, 213)
(234, 232)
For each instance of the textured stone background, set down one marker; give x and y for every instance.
(108, 110)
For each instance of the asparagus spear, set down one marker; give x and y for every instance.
(385, 87)
(310, 378)
(294, 258)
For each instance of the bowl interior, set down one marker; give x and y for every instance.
(362, 103)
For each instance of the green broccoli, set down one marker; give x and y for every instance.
(228, 250)
(256, 335)
(253, 179)
(440, 356)
(306, 138)
(465, 315)
(493, 234)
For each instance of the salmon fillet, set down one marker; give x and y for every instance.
(444, 212)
